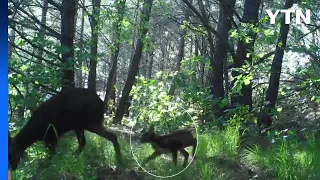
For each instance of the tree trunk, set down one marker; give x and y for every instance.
(272, 91)
(202, 64)
(221, 48)
(80, 59)
(163, 48)
(143, 65)
(250, 16)
(94, 48)
(209, 38)
(120, 5)
(180, 54)
(12, 35)
(133, 69)
(150, 64)
(12, 38)
(67, 37)
(113, 95)
(226, 78)
(43, 21)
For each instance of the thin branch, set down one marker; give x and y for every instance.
(34, 55)
(56, 5)
(32, 44)
(210, 28)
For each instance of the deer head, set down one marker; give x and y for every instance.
(148, 136)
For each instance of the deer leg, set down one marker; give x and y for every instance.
(194, 148)
(51, 145)
(101, 131)
(175, 157)
(52, 149)
(51, 139)
(81, 139)
(151, 157)
(186, 156)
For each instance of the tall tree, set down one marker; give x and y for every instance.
(218, 49)
(43, 21)
(134, 66)
(272, 91)
(12, 35)
(67, 36)
(245, 49)
(221, 47)
(181, 47)
(82, 48)
(94, 48)
(150, 64)
(110, 89)
(206, 22)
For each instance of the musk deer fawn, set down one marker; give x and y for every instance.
(170, 143)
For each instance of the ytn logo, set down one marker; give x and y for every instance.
(287, 12)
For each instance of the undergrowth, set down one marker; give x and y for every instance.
(288, 159)
(217, 157)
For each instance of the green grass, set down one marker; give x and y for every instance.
(97, 153)
(217, 157)
(288, 160)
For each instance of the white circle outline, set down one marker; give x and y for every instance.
(135, 158)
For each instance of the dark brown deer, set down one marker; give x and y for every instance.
(74, 109)
(170, 143)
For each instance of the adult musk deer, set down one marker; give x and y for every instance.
(74, 109)
(170, 143)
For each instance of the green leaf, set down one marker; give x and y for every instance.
(267, 32)
(247, 40)
(234, 34)
(225, 101)
(246, 82)
(23, 67)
